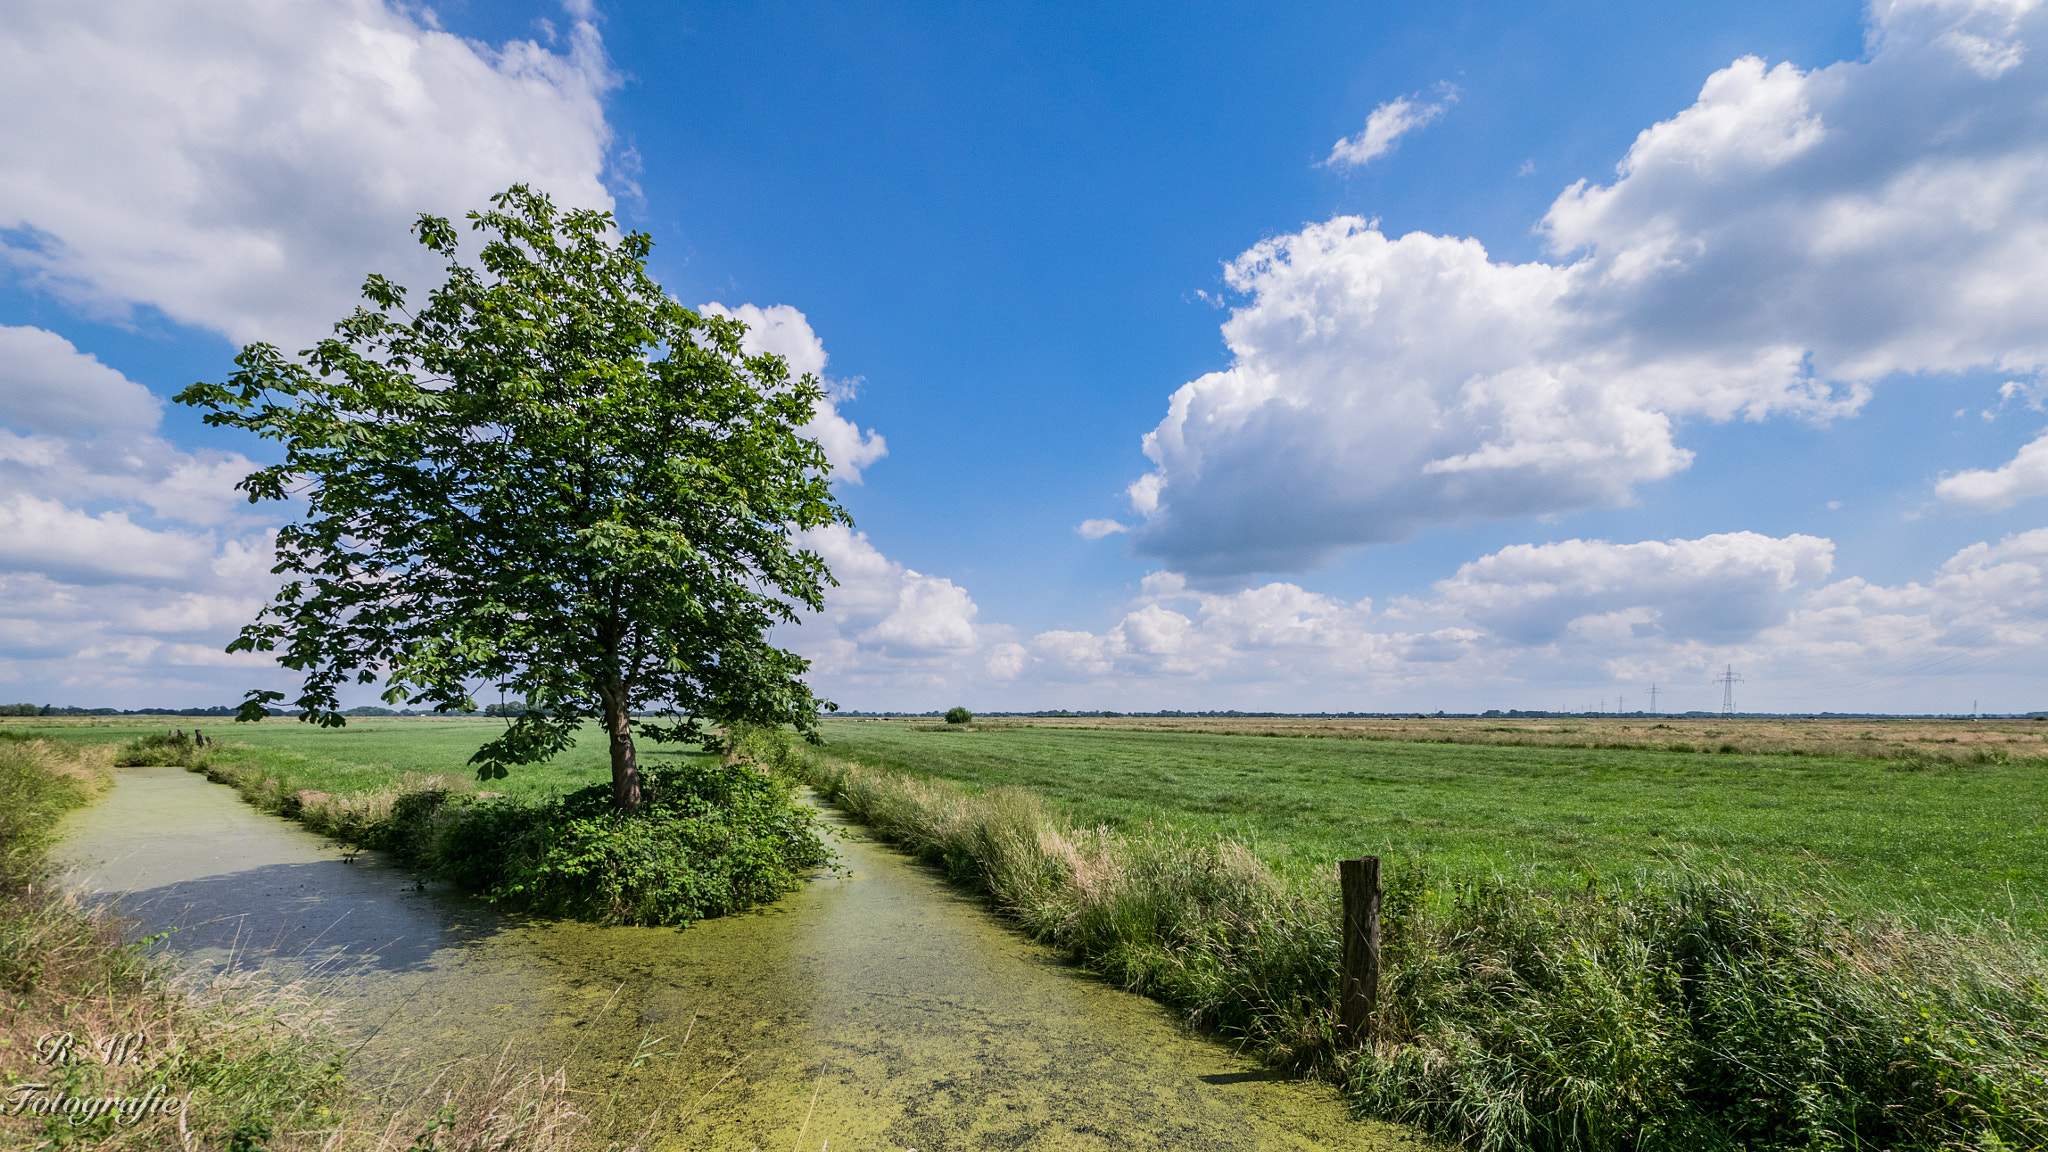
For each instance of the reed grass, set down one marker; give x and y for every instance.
(1694, 1006)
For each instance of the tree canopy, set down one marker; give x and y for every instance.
(552, 479)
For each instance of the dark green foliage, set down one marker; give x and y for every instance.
(958, 715)
(19, 710)
(547, 476)
(710, 839)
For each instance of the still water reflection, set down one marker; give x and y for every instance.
(875, 1009)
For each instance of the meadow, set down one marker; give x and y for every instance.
(1618, 934)
(369, 754)
(1917, 817)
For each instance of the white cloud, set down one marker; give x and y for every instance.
(1277, 632)
(49, 385)
(45, 536)
(884, 623)
(1554, 625)
(242, 165)
(1097, 529)
(1007, 661)
(2023, 477)
(1379, 385)
(1386, 125)
(126, 564)
(783, 331)
(1779, 247)
(1529, 626)
(1718, 588)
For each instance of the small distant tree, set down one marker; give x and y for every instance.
(550, 477)
(958, 716)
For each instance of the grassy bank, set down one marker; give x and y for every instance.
(1695, 1007)
(223, 1064)
(1904, 834)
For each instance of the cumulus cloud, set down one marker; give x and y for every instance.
(2023, 477)
(126, 563)
(1513, 628)
(781, 330)
(1717, 588)
(1777, 248)
(1275, 632)
(241, 165)
(1386, 125)
(1097, 529)
(47, 384)
(1534, 625)
(884, 620)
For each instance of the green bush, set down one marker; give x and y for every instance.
(958, 716)
(162, 749)
(762, 746)
(711, 839)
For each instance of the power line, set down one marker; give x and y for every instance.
(1653, 697)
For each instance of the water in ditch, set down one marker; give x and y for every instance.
(876, 1008)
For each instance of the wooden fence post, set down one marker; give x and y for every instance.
(1359, 986)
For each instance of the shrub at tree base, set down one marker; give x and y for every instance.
(1697, 1009)
(709, 840)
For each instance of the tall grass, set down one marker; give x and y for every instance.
(1693, 1008)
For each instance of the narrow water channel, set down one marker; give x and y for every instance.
(877, 1008)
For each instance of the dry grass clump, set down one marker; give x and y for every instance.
(475, 1106)
(1694, 1008)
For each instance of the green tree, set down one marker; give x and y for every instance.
(958, 715)
(551, 478)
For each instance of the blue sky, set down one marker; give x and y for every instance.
(1526, 355)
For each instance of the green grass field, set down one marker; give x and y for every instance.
(1954, 839)
(369, 753)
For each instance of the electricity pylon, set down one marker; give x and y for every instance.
(1728, 680)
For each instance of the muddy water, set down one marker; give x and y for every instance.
(875, 1009)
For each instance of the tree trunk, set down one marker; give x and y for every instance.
(618, 724)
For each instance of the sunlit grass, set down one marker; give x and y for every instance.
(1964, 836)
